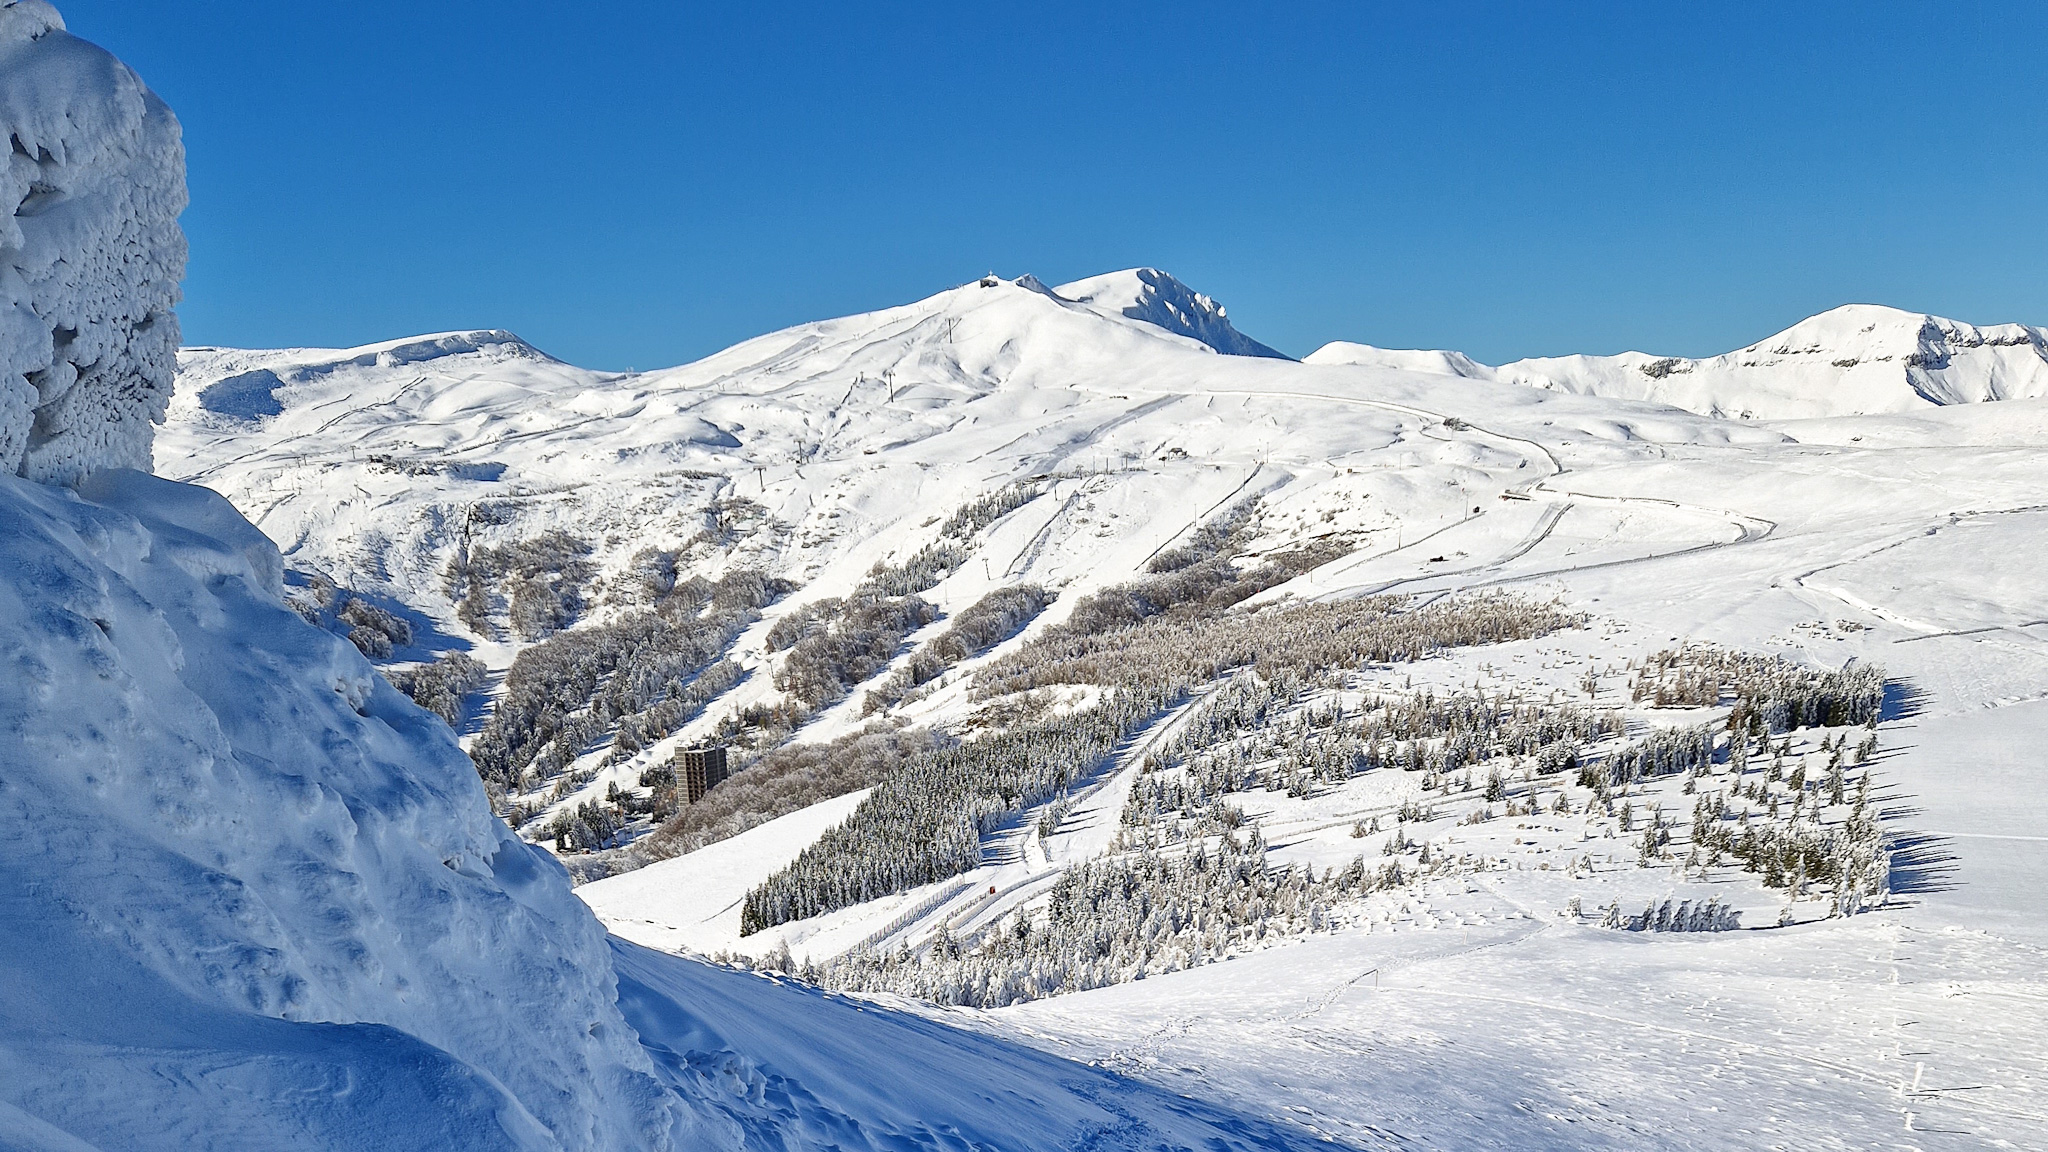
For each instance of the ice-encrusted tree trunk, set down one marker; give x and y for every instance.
(90, 252)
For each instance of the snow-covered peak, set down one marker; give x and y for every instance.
(1155, 297)
(418, 349)
(1944, 361)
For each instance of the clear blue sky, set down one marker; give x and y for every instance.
(638, 183)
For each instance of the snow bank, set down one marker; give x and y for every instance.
(240, 871)
(90, 252)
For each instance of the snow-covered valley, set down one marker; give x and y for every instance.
(1494, 994)
(1137, 739)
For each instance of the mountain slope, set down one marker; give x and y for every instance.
(779, 1065)
(816, 453)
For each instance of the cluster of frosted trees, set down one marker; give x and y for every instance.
(1120, 918)
(1662, 753)
(1240, 740)
(635, 672)
(925, 821)
(374, 631)
(847, 642)
(1781, 694)
(983, 511)
(835, 644)
(442, 686)
(1709, 915)
(640, 677)
(542, 578)
(1199, 579)
(1161, 902)
(1790, 827)
(975, 629)
(1186, 649)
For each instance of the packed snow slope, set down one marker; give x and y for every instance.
(1856, 360)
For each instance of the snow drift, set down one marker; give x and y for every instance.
(90, 253)
(279, 873)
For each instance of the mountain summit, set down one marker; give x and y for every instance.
(1157, 298)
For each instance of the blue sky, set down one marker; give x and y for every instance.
(639, 184)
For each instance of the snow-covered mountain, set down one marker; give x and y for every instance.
(1859, 359)
(1003, 435)
(374, 465)
(1150, 748)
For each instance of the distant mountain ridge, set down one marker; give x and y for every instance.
(1856, 360)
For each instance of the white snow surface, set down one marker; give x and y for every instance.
(1856, 360)
(90, 253)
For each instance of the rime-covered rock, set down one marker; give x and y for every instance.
(90, 252)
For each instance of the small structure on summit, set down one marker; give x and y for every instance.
(698, 770)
